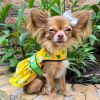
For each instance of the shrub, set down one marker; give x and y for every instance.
(79, 58)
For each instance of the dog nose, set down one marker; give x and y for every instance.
(60, 36)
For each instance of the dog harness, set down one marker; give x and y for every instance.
(28, 69)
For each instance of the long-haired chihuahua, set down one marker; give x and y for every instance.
(55, 35)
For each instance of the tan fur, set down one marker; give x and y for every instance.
(45, 28)
(34, 86)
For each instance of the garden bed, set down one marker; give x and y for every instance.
(91, 75)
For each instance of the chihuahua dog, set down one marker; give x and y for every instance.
(53, 34)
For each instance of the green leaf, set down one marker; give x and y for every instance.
(1, 6)
(95, 8)
(98, 27)
(92, 58)
(61, 6)
(31, 3)
(20, 16)
(7, 55)
(55, 10)
(5, 42)
(86, 7)
(52, 3)
(75, 2)
(83, 63)
(16, 34)
(6, 31)
(13, 62)
(2, 38)
(23, 36)
(93, 38)
(75, 70)
(88, 49)
(5, 11)
(8, 25)
(44, 4)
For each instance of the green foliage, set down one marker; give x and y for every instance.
(55, 6)
(26, 44)
(93, 38)
(96, 28)
(8, 53)
(20, 16)
(96, 19)
(95, 79)
(3, 38)
(93, 7)
(79, 56)
(74, 4)
(4, 11)
(13, 61)
(31, 3)
(0, 6)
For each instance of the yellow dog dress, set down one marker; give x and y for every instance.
(28, 69)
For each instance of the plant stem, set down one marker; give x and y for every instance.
(23, 52)
(64, 5)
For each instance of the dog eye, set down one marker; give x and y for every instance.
(52, 30)
(68, 30)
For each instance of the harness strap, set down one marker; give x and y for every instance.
(35, 67)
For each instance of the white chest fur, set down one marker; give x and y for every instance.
(65, 64)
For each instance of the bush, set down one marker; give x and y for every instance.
(80, 56)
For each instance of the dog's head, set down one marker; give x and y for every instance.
(58, 31)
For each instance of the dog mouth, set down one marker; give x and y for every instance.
(59, 42)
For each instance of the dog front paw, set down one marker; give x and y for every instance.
(53, 96)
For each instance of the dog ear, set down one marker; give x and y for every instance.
(83, 18)
(83, 28)
(39, 18)
(37, 21)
